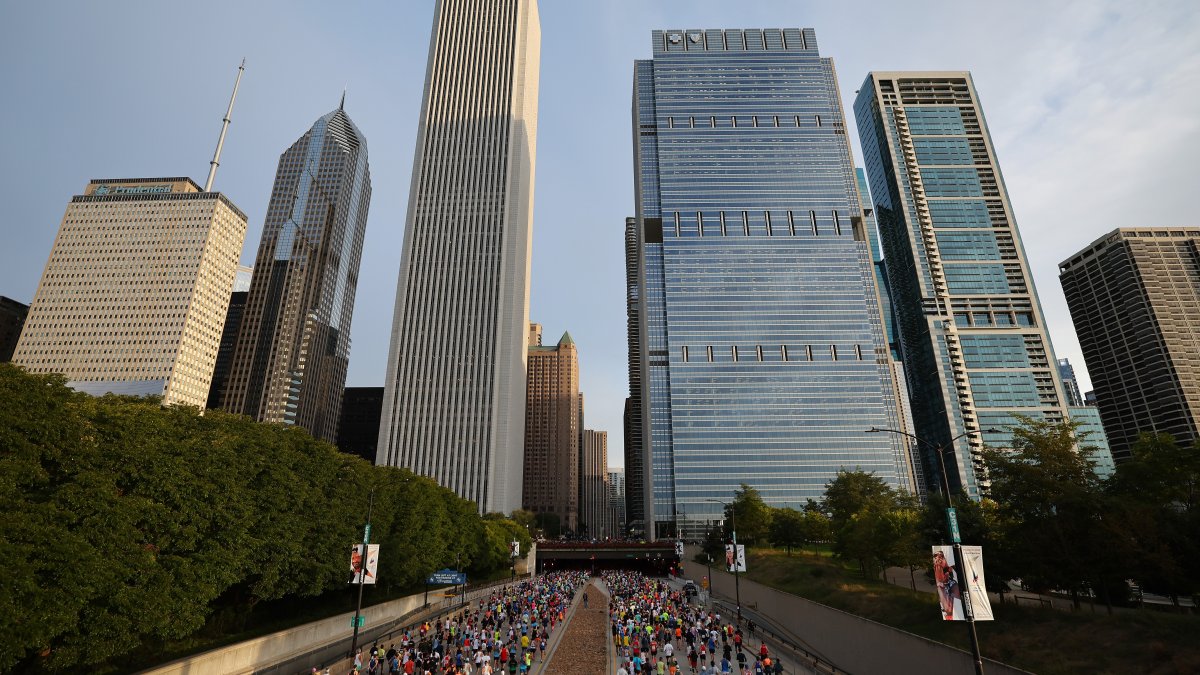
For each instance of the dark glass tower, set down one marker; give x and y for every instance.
(763, 356)
(637, 491)
(293, 347)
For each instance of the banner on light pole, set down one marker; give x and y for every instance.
(735, 558)
(356, 564)
(514, 549)
(981, 605)
(679, 548)
(954, 577)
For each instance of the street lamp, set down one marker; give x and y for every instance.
(958, 556)
(737, 588)
(362, 573)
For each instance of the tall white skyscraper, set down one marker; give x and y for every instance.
(454, 402)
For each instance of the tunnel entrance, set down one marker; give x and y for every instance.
(651, 559)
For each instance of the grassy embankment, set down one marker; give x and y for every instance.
(1044, 641)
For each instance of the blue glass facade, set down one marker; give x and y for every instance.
(762, 345)
(971, 330)
(1092, 439)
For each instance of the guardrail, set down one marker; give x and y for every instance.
(329, 653)
(764, 624)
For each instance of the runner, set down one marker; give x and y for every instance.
(653, 625)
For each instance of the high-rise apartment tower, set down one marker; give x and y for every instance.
(762, 352)
(455, 383)
(972, 336)
(1134, 296)
(293, 347)
(134, 296)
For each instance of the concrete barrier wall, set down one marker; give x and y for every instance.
(260, 654)
(851, 643)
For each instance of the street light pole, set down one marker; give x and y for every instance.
(737, 588)
(957, 546)
(362, 573)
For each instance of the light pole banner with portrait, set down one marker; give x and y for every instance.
(514, 549)
(356, 563)
(949, 591)
(735, 561)
(981, 605)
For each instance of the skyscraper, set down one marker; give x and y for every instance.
(1070, 385)
(135, 292)
(637, 492)
(595, 516)
(762, 352)
(229, 335)
(358, 429)
(12, 319)
(454, 397)
(553, 431)
(293, 346)
(1134, 296)
(972, 336)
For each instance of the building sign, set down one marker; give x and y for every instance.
(131, 190)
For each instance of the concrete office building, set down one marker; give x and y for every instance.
(595, 514)
(293, 345)
(135, 293)
(972, 336)
(1134, 296)
(12, 320)
(455, 380)
(229, 334)
(553, 430)
(358, 429)
(762, 351)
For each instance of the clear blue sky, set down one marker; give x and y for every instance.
(1094, 107)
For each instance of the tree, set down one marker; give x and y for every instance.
(787, 528)
(125, 525)
(864, 519)
(1048, 505)
(752, 514)
(1154, 515)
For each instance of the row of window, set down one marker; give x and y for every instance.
(747, 121)
(734, 353)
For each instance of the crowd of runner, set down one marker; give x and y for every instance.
(656, 631)
(503, 633)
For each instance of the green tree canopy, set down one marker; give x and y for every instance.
(124, 524)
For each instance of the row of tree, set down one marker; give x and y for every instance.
(1047, 521)
(124, 524)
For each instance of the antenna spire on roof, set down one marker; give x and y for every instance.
(216, 160)
(342, 105)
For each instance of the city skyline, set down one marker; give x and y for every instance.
(1045, 132)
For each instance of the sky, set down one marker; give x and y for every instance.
(1093, 107)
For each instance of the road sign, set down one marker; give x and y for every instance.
(367, 534)
(358, 621)
(952, 518)
(446, 576)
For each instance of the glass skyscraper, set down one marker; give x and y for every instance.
(762, 351)
(972, 336)
(293, 344)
